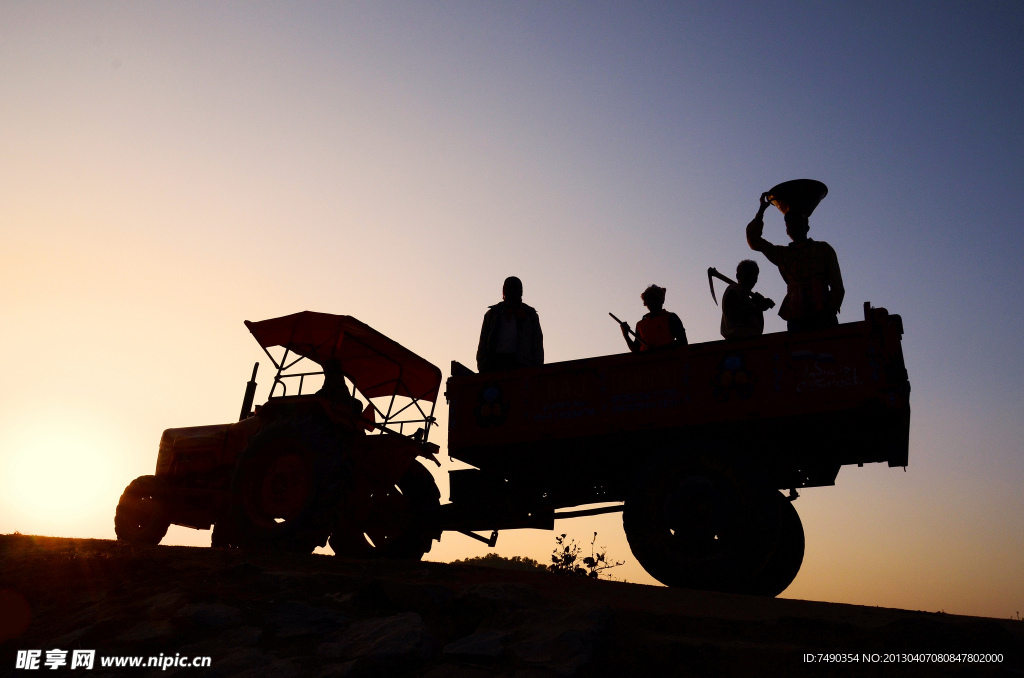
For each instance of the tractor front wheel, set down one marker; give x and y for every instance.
(141, 516)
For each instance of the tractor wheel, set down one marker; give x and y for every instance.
(399, 523)
(287, 487)
(141, 517)
(785, 562)
(703, 523)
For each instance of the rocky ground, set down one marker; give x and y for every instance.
(281, 615)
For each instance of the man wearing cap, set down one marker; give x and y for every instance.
(814, 284)
(657, 329)
(510, 337)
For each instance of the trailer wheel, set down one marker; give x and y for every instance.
(785, 561)
(398, 524)
(287, 486)
(141, 516)
(703, 523)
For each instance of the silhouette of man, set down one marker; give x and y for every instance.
(335, 389)
(814, 284)
(511, 337)
(658, 328)
(742, 308)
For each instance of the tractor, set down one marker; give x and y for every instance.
(306, 468)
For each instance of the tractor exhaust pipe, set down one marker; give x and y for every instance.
(250, 393)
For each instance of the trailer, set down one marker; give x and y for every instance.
(692, 444)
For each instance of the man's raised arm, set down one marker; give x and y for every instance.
(756, 227)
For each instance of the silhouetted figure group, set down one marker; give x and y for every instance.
(511, 337)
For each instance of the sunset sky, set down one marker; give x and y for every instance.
(168, 170)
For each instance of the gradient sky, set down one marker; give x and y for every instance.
(168, 170)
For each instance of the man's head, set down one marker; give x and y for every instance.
(746, 274)
(334, 375)
(797, 225)
(512, 290)
(653, 297)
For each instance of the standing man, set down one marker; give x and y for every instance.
(510, 337)
(814, 285)
(743, 308)
(657, 329)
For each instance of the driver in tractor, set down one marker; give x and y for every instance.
(336, 390)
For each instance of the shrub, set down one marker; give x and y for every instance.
(566, 560)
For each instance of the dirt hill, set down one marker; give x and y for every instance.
(282, 615)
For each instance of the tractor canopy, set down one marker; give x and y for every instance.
(377, 365)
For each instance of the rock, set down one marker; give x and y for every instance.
(457, 671)
(293, 619)
(241, 571)
(211, 615)
(337, 670)
(372, 598)
(146, 631)
(535, 673)
(244, 636)
(563, 643)
(422, 598)
(238, 662)
(403, 636)
(281, 668)
(484, 644)
(162, 603)
(282, 581)
(71, 637)
(503, 594)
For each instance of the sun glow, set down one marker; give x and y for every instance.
(56, 475)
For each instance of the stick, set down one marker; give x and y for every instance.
(635, 335)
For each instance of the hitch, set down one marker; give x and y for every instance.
(489, 541)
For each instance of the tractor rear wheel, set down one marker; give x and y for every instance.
(141, 515)
(399, 522)
(287, 486)
(785, 561)
(703, 523)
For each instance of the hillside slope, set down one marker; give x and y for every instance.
(282, 615)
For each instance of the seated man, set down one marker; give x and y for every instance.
(742, 308)
(336, 390)
(659, 328)
(510, 337)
